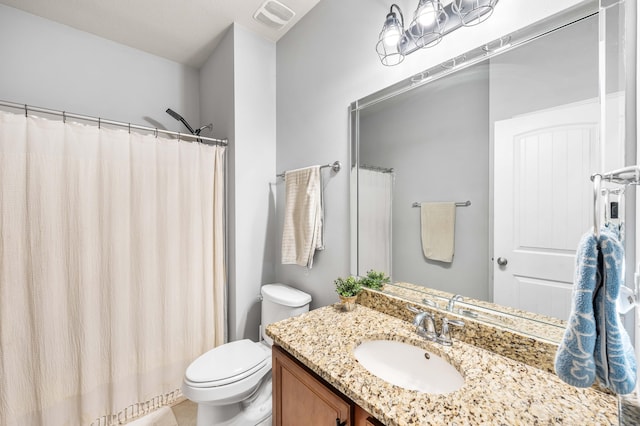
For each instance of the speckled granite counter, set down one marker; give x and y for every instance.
(497, 390)
(522, 347)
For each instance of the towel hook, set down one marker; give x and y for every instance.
(597, 179)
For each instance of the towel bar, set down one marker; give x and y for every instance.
(458, 204)
(336, 166)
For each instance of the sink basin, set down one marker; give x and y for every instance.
(408, 366)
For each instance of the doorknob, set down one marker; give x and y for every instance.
(502, 261)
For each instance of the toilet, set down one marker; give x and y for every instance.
(232, 383)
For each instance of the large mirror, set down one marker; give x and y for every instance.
(510, 133)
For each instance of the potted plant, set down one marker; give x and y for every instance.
(348, 290)
(375, 280)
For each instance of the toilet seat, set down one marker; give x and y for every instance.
(226, 364)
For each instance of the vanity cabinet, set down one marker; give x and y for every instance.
(301, 397)
(362, 418)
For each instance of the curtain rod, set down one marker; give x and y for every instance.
(26, 108)
(376, 168)
(335, 166)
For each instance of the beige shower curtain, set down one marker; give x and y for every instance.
(111, 269)
(375, 195)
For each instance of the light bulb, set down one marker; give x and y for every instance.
(392, 36)
(427, 15)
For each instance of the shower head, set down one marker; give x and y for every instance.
(181, 119)
(174, 114)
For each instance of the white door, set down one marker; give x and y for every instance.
(543, 203)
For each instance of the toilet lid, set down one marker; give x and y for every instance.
(227, 361)
(285, 295)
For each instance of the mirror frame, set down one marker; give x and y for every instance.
(497, 47)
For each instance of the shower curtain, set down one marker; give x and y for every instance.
(374, 222)
(111, 269)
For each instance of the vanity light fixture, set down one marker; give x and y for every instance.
(391, 38)
(431, 21)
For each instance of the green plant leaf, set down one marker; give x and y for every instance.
(375, 280)
(347, 287)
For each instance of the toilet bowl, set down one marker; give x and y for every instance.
(232, 383)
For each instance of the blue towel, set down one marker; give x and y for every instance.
(595, 344)
(575, 362)
(614, 355)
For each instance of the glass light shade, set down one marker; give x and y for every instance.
(426, 14)
(429, 21)
(391, 30)
(390, 41)
(473, 12)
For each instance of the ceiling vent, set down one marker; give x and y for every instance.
(274, 14)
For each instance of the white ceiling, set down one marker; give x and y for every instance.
(185, 31)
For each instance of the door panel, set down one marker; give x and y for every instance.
(542, 204)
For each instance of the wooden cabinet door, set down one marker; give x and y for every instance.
(301, 399)
(363, 418)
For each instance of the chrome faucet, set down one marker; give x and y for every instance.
(426, 327)
(425, 324)
(452, 302)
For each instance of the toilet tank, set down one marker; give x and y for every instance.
(279, 302)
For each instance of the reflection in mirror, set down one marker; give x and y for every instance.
(517, 134)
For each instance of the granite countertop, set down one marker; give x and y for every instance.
(497, 390)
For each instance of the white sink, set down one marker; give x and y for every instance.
(408, 366)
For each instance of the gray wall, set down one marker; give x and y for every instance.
(255, 168)
(324, 63)
(51, 65)
(243, 101)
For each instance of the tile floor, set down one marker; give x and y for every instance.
(185, 413)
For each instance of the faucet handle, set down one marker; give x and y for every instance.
(445, 336)
(457, 323)
(429, 302)
(412, 309)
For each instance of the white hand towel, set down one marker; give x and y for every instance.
(438, 222)
(302, 232)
